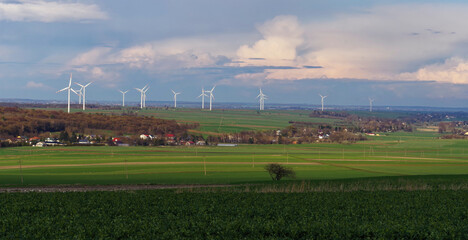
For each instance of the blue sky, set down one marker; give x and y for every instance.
(398, 52)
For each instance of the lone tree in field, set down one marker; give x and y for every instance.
(277, 171)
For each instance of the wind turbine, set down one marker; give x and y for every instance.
(123, 97)
(203, 94)
(262, 99)
(83, 88)
(323, 97)
(175, 98)
(142, 94)
(79, 93)
(211, 95)
(371, 100)
(69, 89)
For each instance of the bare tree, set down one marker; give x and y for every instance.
(277, 171)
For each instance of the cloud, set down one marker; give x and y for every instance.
(154, 57)
(389, 42)
(32, 84)
(452, 70)
(281, 37)
(386, 43)
(49, 11)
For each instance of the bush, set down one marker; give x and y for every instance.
(277, 171)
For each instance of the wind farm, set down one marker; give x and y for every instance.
(202, 119)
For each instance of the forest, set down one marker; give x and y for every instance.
(33, 122)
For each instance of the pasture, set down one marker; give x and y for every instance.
(394, 154)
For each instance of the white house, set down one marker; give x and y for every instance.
(146, 137)
(40, 144)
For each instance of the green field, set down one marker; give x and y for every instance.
(167, 214)
(228, 120)
(395, 154)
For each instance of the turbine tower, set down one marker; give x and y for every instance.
(323, 97)
(69, 89)
(211, 96)
(203, 95)
(371, 100)
(175, 98)
(83, 87)
(142, 95)
(262, 99)
(123, 97)
(79, 93)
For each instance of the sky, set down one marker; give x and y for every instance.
(400, 53)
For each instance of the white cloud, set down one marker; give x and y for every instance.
(281, 37)
(49, 11)
(453, 70)
(32, 84)
(165, 55)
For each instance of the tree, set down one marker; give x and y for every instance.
(277, 171)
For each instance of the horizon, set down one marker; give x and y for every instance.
(237, 105)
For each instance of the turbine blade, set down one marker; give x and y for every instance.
(80, 85)
(74, 91)
(213, 88)
(62, 90)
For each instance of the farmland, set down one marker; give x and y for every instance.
(393, 154)
(229, 120)
(166, 214)
(411, 185)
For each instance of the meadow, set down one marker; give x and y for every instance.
(392, 154)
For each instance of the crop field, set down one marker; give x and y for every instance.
(167, 214)
(229, 120)
(396, 154)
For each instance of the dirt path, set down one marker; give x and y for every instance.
(92, 188)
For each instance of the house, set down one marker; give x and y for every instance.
(83, 141)
(34, 140)
(40, 144)
(170, 139)
(21, 138)
(116, 140)
(52, 142)
(146, 137)
(189, 143)
(201, 143)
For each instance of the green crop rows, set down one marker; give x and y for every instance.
(169, 215)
